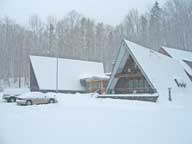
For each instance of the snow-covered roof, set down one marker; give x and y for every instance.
(159, 69)
(69, 72)
(98, 76)
(180, 55)
(37, 95)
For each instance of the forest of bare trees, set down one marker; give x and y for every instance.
(78, 37)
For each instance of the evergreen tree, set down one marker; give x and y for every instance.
(155, 26)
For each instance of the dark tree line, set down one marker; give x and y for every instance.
(75, 36)
(169, 25)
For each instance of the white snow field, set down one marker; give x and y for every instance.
(82, 119)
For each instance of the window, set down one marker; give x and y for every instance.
(130, 84)
(140, 81)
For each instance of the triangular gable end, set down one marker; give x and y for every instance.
(128, 76)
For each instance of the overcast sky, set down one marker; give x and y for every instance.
(107, 11)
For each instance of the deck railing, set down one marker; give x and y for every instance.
(131, 90)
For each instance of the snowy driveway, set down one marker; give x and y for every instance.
(80, 119)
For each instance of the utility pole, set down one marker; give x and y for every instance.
(51, 28)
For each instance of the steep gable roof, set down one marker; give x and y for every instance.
(69, 72)
(178, 54)
(159, 69)
(181, 56)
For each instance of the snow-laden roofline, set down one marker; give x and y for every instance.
(70, 72)
(138, 64)
(77, 60)
(178, 53)
(181, 56)
(175, 49)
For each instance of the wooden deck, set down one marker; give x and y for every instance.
(141, 97)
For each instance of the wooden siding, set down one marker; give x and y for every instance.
(131, 79)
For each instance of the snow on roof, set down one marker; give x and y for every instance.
(98, 76)
(37, 95)
(161, 70)
(180, 55)
(69, 72)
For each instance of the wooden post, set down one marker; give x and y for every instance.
(102, 86)
(90, 86)
(169, 89)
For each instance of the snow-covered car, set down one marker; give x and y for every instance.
(11, 94)
(32, 98)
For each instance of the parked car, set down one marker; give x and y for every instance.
(32, 98)
(11, 94)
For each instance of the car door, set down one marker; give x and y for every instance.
(38, 99)
(43, 99)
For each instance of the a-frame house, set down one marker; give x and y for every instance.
(141, 71)
(128, 75)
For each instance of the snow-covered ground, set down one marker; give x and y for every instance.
(82, 119)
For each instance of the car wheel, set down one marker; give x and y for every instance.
(12, 99)
(51, 101)
(29, 102)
